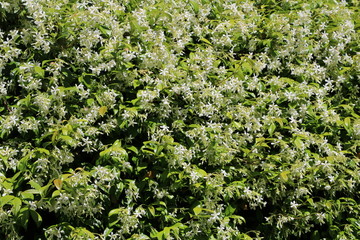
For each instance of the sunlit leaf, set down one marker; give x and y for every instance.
(58, 183)
(284, 176)
(102, 110)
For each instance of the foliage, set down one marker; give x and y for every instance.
(197, 119)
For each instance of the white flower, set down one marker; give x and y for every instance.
(320, 217)
(215, 216)
(294, 205)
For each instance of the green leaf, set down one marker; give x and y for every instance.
(205, 41)
(5, 200)
(201, 172)
(159, 235)
(24, 214)
(271, 129)
(36, 217)
(113, 149)
(43, 150)
(247, 68)
(347, 124)
(151, 210)
(105, 31)
(229, 210)
(67, 129)
(116, 147)
(284, 176)
(28, 195)
(68, 140)
(238, 219)
(44, 189)
(25, 101)
(22, 164)
(246, 237)
(136, 83)
(236, 125)
(153, 232)
(280, 121)
(197, 210)
(39, 71)
(290, 81)
(35, 185)
(133, 149)
(166, 232)
(195, 6)
(82, 233)
(15, 202)
(54, 137)
(55, 193)
(90, 101)
(298, 143)
(158, 150)
(113, 216)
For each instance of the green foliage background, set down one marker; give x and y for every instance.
(159, 119)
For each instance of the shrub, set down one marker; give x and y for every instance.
(226, 119)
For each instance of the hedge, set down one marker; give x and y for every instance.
(194, 119)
